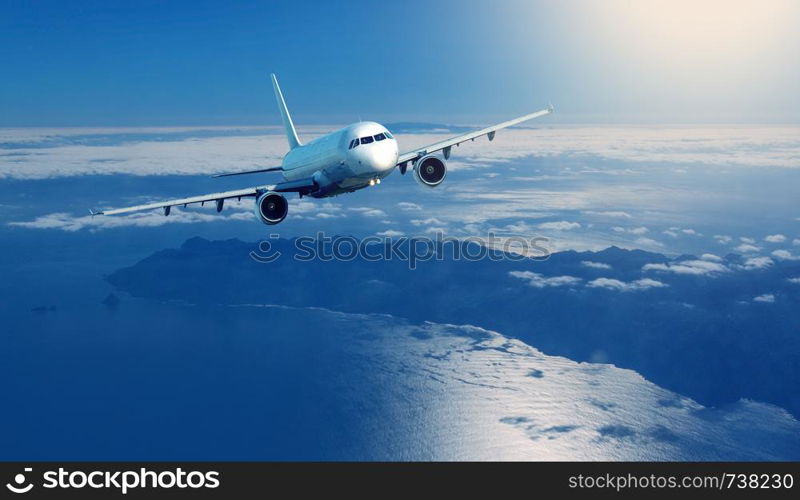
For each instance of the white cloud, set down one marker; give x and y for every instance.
(520, 227)
(734, 146)
(314, 209)
(539, 281)
(608, 213)
(633, 230)
(747, 240)
(648, 242)
(69, 223)
(560, 225)
(766, 298)
(796, 242)
(674, 232)
(747, 248)
(306, 207)
(793, 280)
(785, 255)
(391, 233)
(252, 147)
(723, 239)
(775, 238)
(426, 222)
(692, 267)
(408, 206)
(711, 257)
(325, 215)
(375, 212)
(247, 149)
(369, 212)
(622, 286)
(754, 263)
(595, 265)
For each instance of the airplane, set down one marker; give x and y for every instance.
(355, 157)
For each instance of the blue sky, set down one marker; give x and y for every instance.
(183, 63)
(718, 202)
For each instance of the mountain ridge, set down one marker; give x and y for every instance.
(701, 335)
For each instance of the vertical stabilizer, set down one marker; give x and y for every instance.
(291, 134)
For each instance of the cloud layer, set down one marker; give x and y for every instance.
(537, 280)
(622, 286)
(23, 154)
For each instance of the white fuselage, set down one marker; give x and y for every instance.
(352, 158)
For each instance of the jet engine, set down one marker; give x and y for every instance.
(430, 171)
(271, 208)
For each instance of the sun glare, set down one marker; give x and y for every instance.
(703, 30)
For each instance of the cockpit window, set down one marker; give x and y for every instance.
(366, 140)
(380, 137)
(353, 143)
(388, 135)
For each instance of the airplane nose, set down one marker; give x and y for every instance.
(385, 156)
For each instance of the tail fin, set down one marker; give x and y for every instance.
(291, 134)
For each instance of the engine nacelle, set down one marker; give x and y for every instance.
(430, 171)
(271, 208)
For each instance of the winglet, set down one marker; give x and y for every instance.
(550, 107)
(291, 134)
(93, 213)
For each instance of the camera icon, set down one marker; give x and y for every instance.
(19, 481)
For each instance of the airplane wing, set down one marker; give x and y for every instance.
(166, 205)
(246, 172)
(302, 186)
(445, 145)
